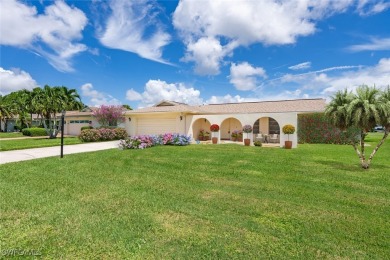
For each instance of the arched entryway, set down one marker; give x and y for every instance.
(267, 129)
(228, 126)
(201, 129)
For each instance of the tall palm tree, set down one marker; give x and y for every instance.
(72, 99)
(365, 109)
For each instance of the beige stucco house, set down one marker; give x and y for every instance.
(266, 117)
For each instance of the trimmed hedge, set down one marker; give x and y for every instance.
(315, 128)
(86, 127)
(102, 134)
(34, 131)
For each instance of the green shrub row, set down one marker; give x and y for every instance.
(315, 128)
(86, 127)
(34, 131)
(102, 134)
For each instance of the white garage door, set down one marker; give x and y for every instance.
(147, 126)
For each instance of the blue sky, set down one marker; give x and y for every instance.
(194, 51)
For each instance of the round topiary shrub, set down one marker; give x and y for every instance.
(288, 129)
(214, 128)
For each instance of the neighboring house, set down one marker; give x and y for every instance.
(74, 120)
(8, 125)
(267, 117)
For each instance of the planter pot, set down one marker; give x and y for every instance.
(201, 138)
(239, 139)
(234, 139)
(215, 140)
(206, 138)
(287, 144)
(247, 141)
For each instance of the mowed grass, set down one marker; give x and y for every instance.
(8, 145)
(10, 135)
(199, 201)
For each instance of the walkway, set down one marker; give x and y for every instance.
(29, 154)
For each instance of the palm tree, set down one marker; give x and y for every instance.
(365, 109)
(5, 111)
(72, 99)
(337, 109)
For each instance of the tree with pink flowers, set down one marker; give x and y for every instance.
(109, 115)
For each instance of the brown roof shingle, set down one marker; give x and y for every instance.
(297, 105)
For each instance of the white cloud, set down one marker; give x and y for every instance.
(207, 53)
(132, 26)
(157, 90)
(229, 99)
(301, 66)
(133, 95)
(378, 75)
(367, 7)
(374, 45)
(325, 82)
(14, 80)
(97, 98)
(245, 22)
(244, 76)
(52, 34)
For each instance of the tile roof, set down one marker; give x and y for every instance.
(297, 105)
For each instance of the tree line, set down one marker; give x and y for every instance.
(46, 103)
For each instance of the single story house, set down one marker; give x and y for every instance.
(266, 117)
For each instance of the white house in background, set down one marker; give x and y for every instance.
(266, 117)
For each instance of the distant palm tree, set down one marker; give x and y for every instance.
(365, 109)
(5, 111)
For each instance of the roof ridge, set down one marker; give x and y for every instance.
(262, 101)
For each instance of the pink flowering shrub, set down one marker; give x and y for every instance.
(145, 141)
(109, 115)
(102, 134)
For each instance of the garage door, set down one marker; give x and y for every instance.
(147, 126)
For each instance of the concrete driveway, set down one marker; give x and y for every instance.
(29, 154)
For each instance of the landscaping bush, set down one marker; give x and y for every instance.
(34, 131)
(258, 143)
(86, 127)
(102, 134)
(120, 133)
(145, 141)
(316, 128)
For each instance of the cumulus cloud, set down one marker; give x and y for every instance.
(301, 66)
(244, 76)
(53, 34)
(207, 53)
(374, 45)
(14, 80)
(133, 26)
(229, 24)
(97, 98)
(157, 90)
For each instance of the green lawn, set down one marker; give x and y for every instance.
(11, 135)
(7, 145)
(199, 201)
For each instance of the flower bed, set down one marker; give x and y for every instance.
(145, 141)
